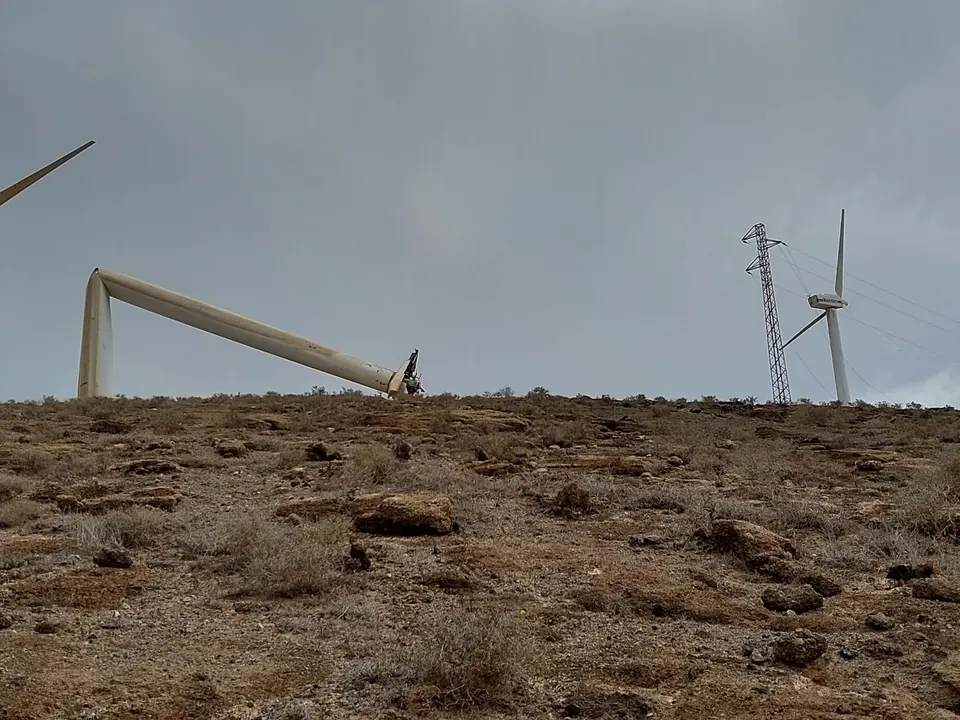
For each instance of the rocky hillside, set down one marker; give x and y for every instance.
(342, 557)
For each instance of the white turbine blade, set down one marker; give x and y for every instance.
(806, 327)
(17, 188)
(839, 286)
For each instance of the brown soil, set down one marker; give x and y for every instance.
(538, 557)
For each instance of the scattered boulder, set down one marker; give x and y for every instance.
(298, 474)
(727, 444)
(675, 461)
(937, 590)
(494, 468)
(320, 452)
(636, 541)
(6, 620)
(113, 557)
(948, 671)
(798, 598)
(266, 422)
(879, 621)
(154, 445)
(147, 466)
(46, 627)
(408, 514)
(869, 465)
(799, 648)
(788, 571)
(756, 545)
(358, 561)
(230, 448)
(161, 497)
(402, 450)
(905, 573)
(109, 427)
(311, 508)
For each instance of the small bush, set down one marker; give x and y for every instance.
(14, 513)
(30, 462)
(375, 464)
(271, 559)
(500, 446)
(11, 486)
(470, 659)
(573, 501)
(132, 529)
(566, 434)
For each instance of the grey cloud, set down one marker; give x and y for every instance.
(545, 193)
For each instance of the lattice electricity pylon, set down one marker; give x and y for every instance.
(778, 365)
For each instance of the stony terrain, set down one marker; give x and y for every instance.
(341, 557)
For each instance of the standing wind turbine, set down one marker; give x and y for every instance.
(830, 303)
(18, 187)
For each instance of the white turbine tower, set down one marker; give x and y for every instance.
(830, 303)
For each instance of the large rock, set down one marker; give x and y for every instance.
(788, 571)
(408, 514)
(756, 545)
(936, 589)
(799, 648)
(799, 598)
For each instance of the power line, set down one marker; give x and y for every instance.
(888, 335)
(811, 373)
(883, 304)
(881, 332)
(877, 287)
(864, 381)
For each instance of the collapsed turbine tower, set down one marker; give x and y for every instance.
(829, 303)
(96, 341)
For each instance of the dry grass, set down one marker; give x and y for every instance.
(469, 660)
(272, 559)
(132, 529)
(373, 465)
(30, 462)
(268, 610)
(18, 512)
(11, 486)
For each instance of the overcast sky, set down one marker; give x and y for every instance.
(532, 192)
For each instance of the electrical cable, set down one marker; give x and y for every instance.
(883, 333)
(864, 381)
(888, 306)
(811, 373)
(877, 287)
(793, 266)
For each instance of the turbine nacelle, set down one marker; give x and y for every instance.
(826, 301)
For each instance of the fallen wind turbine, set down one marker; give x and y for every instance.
(830, 303)
(96, 337)
(18, 187)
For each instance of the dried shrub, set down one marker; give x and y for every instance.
(573, 501)
(30, 462)
(17, 512)
(11, 486)
(469, 660)
(375, 464)
(272, 559)
(505, 446)
(566, 434)
(131, 529)
(168, 422)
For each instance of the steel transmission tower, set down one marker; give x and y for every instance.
(778, 365)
